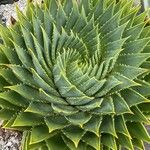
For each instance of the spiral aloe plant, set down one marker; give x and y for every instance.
(74, 75)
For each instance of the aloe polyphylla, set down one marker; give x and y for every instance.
(74, 75)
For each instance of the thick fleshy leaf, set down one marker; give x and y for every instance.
(74, 75)
(74, 133)
(137, 116)
(139, 132)
(109, 141)
(107, 126)
(27, 119)
(92, 140)
(93, 125)
(55, 123)
(38, 134)
(70, 144)
(125, 141)
(120, 105)
(79, 118)
(120, 126)
(133, 98)
(106, 107)
(39, 108)
(56, 143)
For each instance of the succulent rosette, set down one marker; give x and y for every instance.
(74, 75)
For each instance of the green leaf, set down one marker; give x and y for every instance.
(6, 114)
(27, 37)
(24, 91)
(25, 140)
(130, 72)
(92, 140)
(133, 59)
(134, 97)
(64, 109)
(107, 107)
(93, 125)
(137, 116)
(113, 47)
(38, 80)
(68, 4)
(86, 5)
(61, 17)
(40, 145)
(74, 133)
(120, 126)
(39, 108)
(111, 83)
(125, 141)
(24, 20)
(16, 37)
(143, 88)
(95, 103)
(113, 35)
(129, 16)
(38, 134)
(22, 74)
(108, 126)
(55, 40)
(70, 144)
(48, 24)
(139, 132)
(144, 107)
(38, 67)
(27, 119)
(111, 24)
(109, 141)
(10, 54)
(140, 18)
(120, 105)
(47, 47)
(103, 17)
(125, 83)
(14, 98)
(9, 76)
(37, 31)
(6, 35)
(56, 122)
(40, 56)
(98, 8)
(135, 46)
(56, 143)
(95, 88)
(7, 105)
(53, 7)
(134, 32)
(138, 143)
(79, 118)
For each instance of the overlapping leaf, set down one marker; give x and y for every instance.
(75, 75)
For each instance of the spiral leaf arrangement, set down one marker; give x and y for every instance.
(74, 75)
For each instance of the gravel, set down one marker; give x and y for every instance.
(10, 140)
(8, 10)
